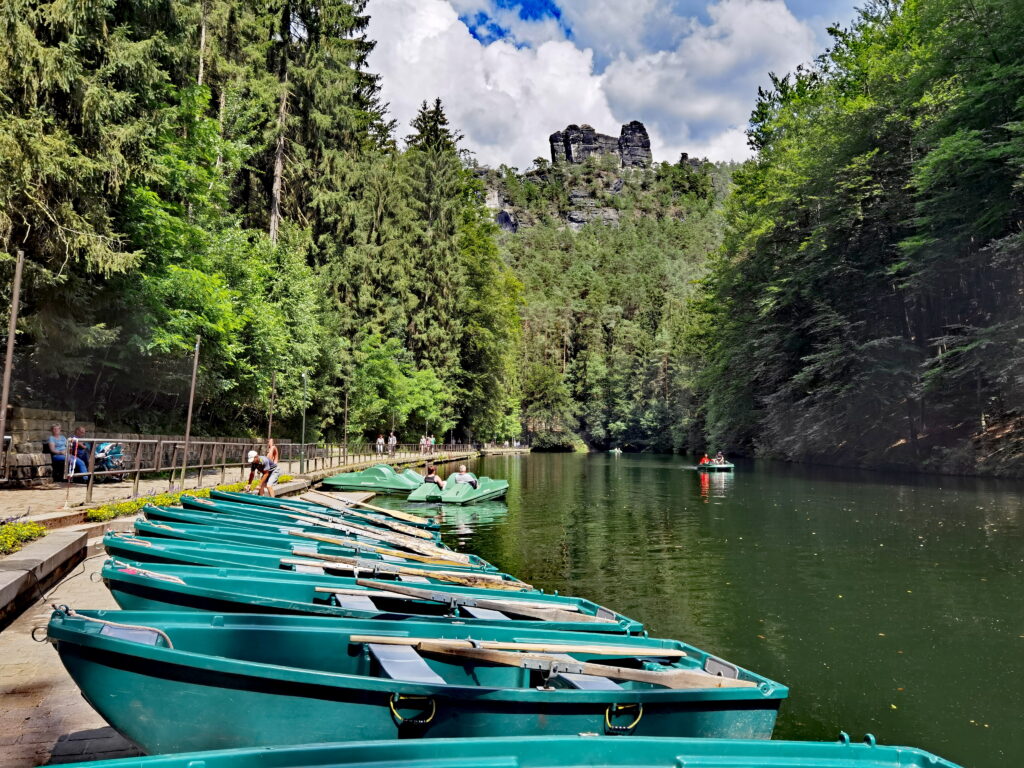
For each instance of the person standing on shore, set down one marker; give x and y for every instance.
(272, 451)
(380, 445)
(392, 444)
(269, 473)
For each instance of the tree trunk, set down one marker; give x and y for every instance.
(275, 191)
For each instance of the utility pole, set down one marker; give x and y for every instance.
(273, 394)
(302, 449)
(9, 358)
(188, 419)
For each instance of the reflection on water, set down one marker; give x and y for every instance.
(889, 604)
(714, 485)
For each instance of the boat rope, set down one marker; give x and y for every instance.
(134, 569)
(612, 708)
(397, 698)
(76, 615)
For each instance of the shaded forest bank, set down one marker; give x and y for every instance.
(867, 306)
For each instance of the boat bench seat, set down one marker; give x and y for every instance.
(483, 613)
(584, 682)
(355, 602)
(402, 662)
(414, 579)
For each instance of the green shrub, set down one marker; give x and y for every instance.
(14, 535)
(133, 506)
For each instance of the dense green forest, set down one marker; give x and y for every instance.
(851, 294)
(174, 168)
(606, 310)
(867, 305)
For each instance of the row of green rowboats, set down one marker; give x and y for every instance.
(306, 632)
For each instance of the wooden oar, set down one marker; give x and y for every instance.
(395, 539)
(669, 678)
(532, 609)
(453, 600)
(482, 580)
(362, 545)
(330, 502)
(408, 530)
(499, 645)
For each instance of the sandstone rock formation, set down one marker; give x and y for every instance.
(578, 142)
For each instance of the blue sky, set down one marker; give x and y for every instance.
(511, 72)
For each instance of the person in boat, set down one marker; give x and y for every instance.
(719, 458)
(704, 459)
(269, 473)
(433, 477)
(462, 476)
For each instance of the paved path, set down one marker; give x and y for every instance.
(47, 499)
(43, 717)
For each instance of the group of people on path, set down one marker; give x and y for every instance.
(719, 459)
(391, 444)
(462, 476)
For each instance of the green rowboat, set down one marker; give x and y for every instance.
(487, 489)
(128, 547)
(726, 467)
(160, 587)
(299, 529)
(162, 529)
(552, 752)
(290, 502)
(322, 516)
(180, 682)
(380, 478)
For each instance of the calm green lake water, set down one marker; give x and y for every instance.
(889, 604)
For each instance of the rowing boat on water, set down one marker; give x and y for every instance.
(381, 478)
(297, 542)
(220, 554)
(321, 516)
(163, 587)
(176, 681)
(553, 752)
(723, 467)
(298, 529)
(326, 504)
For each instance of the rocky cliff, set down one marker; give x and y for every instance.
(578, 142)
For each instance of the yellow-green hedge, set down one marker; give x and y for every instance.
(14, 535)
(132, 506)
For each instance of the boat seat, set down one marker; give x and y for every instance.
(482, 613)
(355, 602)
(414, 579)
(402, 662)
(308, 569)
(584, 682)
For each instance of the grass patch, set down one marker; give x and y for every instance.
(15, 535)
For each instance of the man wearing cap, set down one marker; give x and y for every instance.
(268, 470)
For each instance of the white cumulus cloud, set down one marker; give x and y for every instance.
(691, 80)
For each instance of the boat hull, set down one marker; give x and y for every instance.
(160, 587)
(171, 700)
(553, 752)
